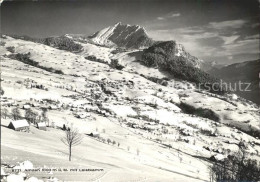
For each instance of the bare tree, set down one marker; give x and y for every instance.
(72, 138)
(4, 113)
(137, 151)
(235, 168)
(1, 91)
(114, 142)
(45, 116)
(16, 114)
(31, 116)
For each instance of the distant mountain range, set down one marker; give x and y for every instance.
(245, 72)
(168, 56)
(122, 36)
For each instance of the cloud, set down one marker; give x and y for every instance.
(250, 46)
(187, 32)
(256, 36)
(255, 25)
(230, 57)
(168, 16)
(222, 41)
(227, 24)
(229, 39)
(160, 18)
(175, 15)
(189, 37)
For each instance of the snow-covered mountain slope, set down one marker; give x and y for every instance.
(78, 66)
(169, 132)
(126, 36)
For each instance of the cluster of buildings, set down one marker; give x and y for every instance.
(23, 125)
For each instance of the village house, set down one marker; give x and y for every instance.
(19, 125)
(14, 104)
(91, 108)
(7, 103)
(35, 105)
(26, 106)
(53, 107)
(82, 115)
(3, 174)
(94, 134)
(41, 126)
(74, 109)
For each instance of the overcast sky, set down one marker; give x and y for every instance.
(224, 31)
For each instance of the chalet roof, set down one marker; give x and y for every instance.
(219, 157)
(26, 106)
(53, 107)
(20, 123)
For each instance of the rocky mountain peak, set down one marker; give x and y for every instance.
(123, 35)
